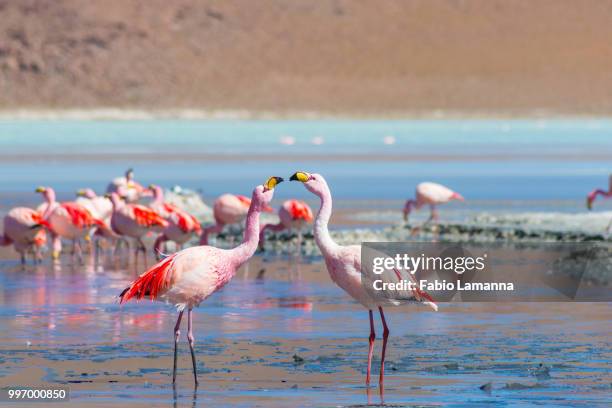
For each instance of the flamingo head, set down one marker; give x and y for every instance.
(86, 192)
(590, 199)
(315, 183)
(47, 192)
(262, 195)
(155, 190)
(407, 209)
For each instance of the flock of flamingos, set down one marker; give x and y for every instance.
(189, 276)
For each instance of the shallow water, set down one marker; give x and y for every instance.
(61, 324)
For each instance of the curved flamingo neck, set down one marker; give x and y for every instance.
(158, 196)
(593, 194)
(247, 248)
(410, 204)
(116, 201)
(50, 199)
(321, 231)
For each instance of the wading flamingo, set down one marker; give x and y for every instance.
(188, 277)
(599, 192)
(431, 194)
(344, 267)
(68, 220)
(134, 221)
(129, 189)
(228, 209)
(293, 214)
(24, 228)
(181, 225)
(101, 208)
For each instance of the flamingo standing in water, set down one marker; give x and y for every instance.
(135, 220)
(293, 214)
(344, 267)
(599, 192)
(228, 209)
(431, 194)
(67, 220)
(127, 187)
(24, 228)
(181, 224)
(188, 277)
(101, 208)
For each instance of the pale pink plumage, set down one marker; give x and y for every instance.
(344, 265)
(188, 277)
(228, 209)
(24, 229)
(127, 187)
(68, 220)
(181, 225)
(134, 221)
(431, 194)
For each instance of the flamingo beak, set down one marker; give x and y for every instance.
(589, 204)
(272, 182)
(80, 193)
(40, 190)
(300, 176)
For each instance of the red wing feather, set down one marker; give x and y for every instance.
(38, 219)
(80, 217)
(244, 200)
(151, 282)
(300, 211)
(147, 217)
(186, 221)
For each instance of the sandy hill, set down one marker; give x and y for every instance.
(332, 56)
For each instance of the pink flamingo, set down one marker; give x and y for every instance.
(101, 208)
(599, 192)
(68, 220)
(228, 209)
(293, 214)
(188, 277)
(24, 228)
(431, 194)
(344, 266)
(135, 220)
(181, 224)
(127, 187)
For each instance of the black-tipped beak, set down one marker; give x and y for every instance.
(293, 177)
(272, 182)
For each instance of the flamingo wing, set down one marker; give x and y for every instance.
(146, 217)
(186, 221)
(299, 210)
(79, 215)
(150, 283)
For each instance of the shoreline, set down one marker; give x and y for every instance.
(136, 114)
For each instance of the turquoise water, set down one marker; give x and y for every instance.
(484, 160)
(356, 136)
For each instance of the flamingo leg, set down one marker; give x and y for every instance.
(191, 341)
(177, 334)
(157, 248)
(216, 228)
(384, 348)
(371, 347)
(434, 214)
